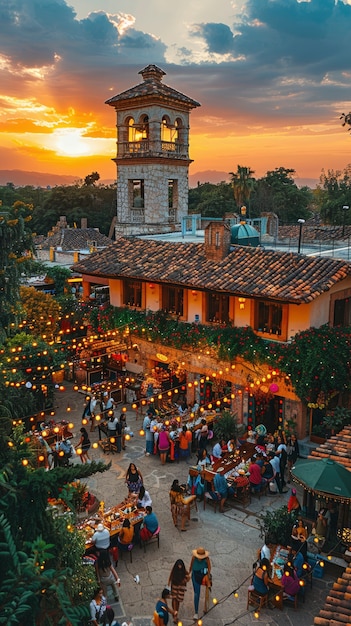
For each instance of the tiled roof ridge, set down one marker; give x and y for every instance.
(152, 86)
(337, 607)
(251, 272)
(337, 448)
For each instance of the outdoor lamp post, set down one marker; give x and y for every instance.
(345, 208)
(301, 223)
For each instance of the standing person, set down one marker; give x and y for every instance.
(200, 566)
(84, 444)
(292, 450)
(180, 505)
(162, 610)
(123, 425)
(177, 581)
(92, 406)
(294, 506)
(133, 478)
(185, 441)
(98, 607)
(203, 434)
(275, 463)
(112, 425)
(283, 457)
(106, 574)
(149, 434)
(163, 444)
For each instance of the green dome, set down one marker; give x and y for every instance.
(244, 235)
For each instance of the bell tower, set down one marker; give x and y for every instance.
(152, 155)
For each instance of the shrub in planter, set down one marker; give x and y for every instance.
(276, 526)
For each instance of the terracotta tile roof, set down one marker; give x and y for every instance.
(337, 608)
(75, 239)
(245, 271)
(338, 448)
(152, 87)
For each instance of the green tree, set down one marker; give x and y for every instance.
(16, 246)
(243, 184)
(96, 203)
(211, 200)
(91, 179)
(277, 192)
(335, 193)
(42, 579)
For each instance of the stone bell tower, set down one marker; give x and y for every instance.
(152, 155)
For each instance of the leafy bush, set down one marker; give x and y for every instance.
(276, 526)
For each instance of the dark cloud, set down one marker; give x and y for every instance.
(38, 33)
(219, 38)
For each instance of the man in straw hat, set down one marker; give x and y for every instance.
(200, 570)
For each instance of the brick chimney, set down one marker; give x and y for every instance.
(84, 222)
(217, 240)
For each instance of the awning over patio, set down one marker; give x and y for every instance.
(323, 477)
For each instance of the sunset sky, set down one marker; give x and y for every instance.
(272, 77)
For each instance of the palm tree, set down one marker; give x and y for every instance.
(243, 184)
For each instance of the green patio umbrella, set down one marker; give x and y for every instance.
(324, 477)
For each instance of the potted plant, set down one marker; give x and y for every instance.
(226, 427)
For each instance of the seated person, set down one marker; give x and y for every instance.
(290, 582)
(297, 559)
(256, 479)
(203, 458)
(232, 445)
(218, 450)
(261, 578)
(144, 499)
(149, 524)
(125, 537)
(299, 536)
(221, 489)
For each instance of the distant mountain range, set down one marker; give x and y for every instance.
(21, 178)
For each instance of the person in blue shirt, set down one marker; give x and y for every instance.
(221, 488)
(149, 525)
(297, 558)
(162, 609)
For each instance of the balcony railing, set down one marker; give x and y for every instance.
(137, 216)
(146, 148)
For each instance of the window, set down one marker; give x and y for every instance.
(342, 312)
(173, 300)
(217, 308)
(138, 132)
(268, 317)
(137, 193)
(172, 194)
(132, 293)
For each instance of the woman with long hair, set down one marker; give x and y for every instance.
(134, 478)
(106, 574)
(177, 581)
(84, 445)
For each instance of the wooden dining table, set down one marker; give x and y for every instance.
(279, 556)
(112, 519)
